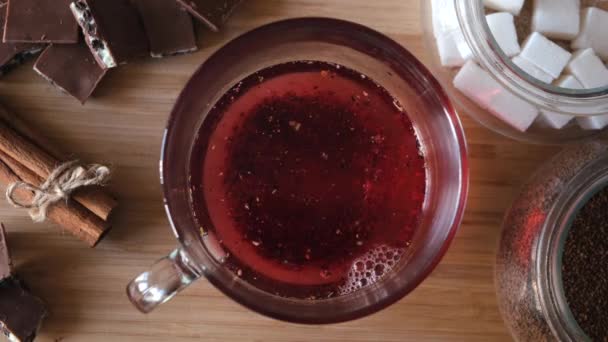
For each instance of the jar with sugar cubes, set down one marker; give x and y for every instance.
(551, 270)
(532, 70)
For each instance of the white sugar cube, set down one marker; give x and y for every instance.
(569, 82)
(532, 69)
(478, 85)
(445, 19)
(453, 49)
(554, 120)
(559, 19)
(545, 54)
(557, 120)
(502, 26)
(511, 6)
(593, 122)
(594, 27)
(589, 69)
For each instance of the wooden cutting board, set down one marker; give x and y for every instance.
(122, 126)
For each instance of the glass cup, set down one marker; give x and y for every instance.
(362, 49)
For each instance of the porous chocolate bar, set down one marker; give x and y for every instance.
(168, 26)
(213, 13)
(40, 21)
(112, 30)
(84, 72)
(13, 54)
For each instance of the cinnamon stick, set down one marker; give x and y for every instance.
(42, 164)
(73, 217)
(28, 132)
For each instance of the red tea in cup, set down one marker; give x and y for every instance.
(311, 176)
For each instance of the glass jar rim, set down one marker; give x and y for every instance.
(586, 102)
(592, 178)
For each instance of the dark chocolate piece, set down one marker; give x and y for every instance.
(213, 13)
(12, 54)
(112, 29)
(72, 68)
(21, 313)
(168, 26)
(6, 265)
(36, 21)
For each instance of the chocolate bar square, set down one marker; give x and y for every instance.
(213, 13)
(112, 29)
(13, 54)
(36, 21)
(168, 26)
(21, 313)
(84, 72)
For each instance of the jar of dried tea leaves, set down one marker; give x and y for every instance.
(552, 263)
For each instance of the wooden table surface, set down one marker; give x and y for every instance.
(122, 126)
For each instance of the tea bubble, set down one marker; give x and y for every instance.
(375, 264)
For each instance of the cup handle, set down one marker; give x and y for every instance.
(165, 279)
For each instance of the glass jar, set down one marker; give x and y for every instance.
(528, 266)
(469, 18)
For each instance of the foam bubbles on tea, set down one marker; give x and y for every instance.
(371, 267)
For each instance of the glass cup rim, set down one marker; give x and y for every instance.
(337, 26)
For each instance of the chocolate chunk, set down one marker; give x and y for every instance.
(12, 54)
(6, 265)
(35, 21)
(21, 313)
(84, 72)
(112, 29)
(168, 26)
(213, 13)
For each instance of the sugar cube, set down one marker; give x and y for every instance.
(453, 49)
(478, 85)
(532, 69)
(557, 120)
(445, 18)
(511, 6)
(594, 25)
(569, 82)
(502, 26)
(559, 19)
(545, 54)
(593, 122)
(589, 69)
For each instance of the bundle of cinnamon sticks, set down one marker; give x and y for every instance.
(25, 155)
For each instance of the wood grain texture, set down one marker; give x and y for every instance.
(122, 126)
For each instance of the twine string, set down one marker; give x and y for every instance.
(60, 184)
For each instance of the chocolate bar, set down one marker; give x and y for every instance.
(21, 313)
(213, 13)
(112, 30)
(13, 54)
(35, 21)
(84, 72)
(168, 26)
(6, 264)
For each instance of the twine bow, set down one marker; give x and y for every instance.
(60, 184)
